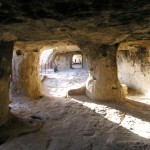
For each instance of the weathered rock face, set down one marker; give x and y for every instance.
(104, 21)
(63, 61)
(17, 87)
(103, 83)
(84, 61)
(26, 73)
(6, 49)
(65, 8)
(134, 68)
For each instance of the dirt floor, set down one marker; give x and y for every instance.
(57, 84)
(78, 123)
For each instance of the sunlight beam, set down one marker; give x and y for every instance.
(133, 124)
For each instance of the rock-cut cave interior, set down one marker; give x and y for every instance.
(75, 75)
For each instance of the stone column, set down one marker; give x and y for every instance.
(32, 74)
(103, 83)
(26, 78)
(6, 50)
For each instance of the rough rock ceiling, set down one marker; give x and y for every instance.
(58, 46)
(43, 45)
(86, 21)
(134, 45)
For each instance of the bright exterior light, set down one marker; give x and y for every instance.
(44, 56)
(148, 94)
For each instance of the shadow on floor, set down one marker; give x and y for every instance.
(71, 126)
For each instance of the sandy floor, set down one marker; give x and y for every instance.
(77, 123)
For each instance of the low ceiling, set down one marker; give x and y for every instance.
(76, 21)
(58, 47)
(134, 45)
(43, 45)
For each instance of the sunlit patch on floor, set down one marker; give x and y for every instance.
(135, 125)
(58, 84)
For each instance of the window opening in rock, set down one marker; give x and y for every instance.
(77, 61)
(134, 73)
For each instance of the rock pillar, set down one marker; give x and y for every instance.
(103, 83)
(6, 50)
(26, 78)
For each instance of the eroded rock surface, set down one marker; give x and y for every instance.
(78, 123)
(6, 50)
(25, 78)
(105, 21)
(134, 68)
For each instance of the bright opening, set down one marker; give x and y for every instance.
(77, 61)
(44, 61)
(61, 71)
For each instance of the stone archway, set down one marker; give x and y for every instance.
(65, 77)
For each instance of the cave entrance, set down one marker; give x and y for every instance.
(62, 69)
(77, 61)
(133, 73)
